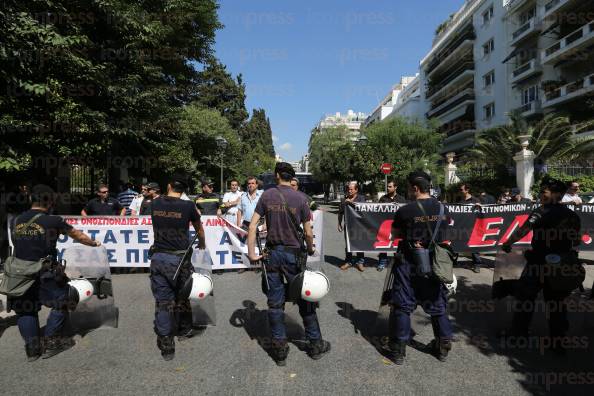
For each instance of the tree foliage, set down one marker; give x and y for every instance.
(336, 157)
(78, 78)
(217, 89)
(552, 138)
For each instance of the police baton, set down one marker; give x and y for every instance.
(263, 260)
(188, 250)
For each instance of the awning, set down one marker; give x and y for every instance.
(513, 53)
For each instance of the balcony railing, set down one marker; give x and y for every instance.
(525, 70)
(568, 91)
(463, 96)
(531, 26)
(444, 82)
(532, 108)
(572, 40)
(551, 4)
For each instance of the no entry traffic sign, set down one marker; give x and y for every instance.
(387, 168)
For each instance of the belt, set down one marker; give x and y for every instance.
(174, 252)
(283, 248)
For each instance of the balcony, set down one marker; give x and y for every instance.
(459, 53)
(530, 109)
(569, 45)
(529, 29)
(458, 141)
(556, 6)
(526, 70)
(569, 91)
(463, 99)
(459, 77)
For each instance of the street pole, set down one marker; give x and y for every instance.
(222, 192)
(386, 183)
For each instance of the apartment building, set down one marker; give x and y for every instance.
(409, 103)
(568, 84)
(465, 80)
(393, 100)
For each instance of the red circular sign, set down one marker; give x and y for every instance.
(387, 168)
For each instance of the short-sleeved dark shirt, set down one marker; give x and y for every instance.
(171, 218)
(278, 222)
(39, 239)
(109, 207)
(395, 199)
(145, 207)
(556, 229)
(208, 203)
(412, 223)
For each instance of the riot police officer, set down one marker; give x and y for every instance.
(284, 244)
(417, 223)
(35, 234)
(171, 217)
(556, 234)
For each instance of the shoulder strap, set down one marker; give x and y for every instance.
(291, 215)
(441, 212)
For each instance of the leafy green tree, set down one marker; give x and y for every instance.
(330, 155)
(257, 133)
(407, 145)
(217, 89)
(80, 78)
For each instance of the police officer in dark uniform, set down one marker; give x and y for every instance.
(35, 234)
(556, 232)
(283, 244)
(152, 192)
(103, 205)
(171, 217)
(415, 223)
(208, 202)
(391, 196)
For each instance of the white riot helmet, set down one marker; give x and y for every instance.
(452, 286)
(202, 286)
(81, 290)
(310, 286)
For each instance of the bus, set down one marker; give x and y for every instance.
(307, 183)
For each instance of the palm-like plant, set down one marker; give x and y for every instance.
(552, 138)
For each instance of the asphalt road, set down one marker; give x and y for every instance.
(227, 359)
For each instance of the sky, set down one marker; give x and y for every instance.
(303, 59)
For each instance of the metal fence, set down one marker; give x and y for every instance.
(571, 170)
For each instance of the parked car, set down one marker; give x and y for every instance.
(587, 197)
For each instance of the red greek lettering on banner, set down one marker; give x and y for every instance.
(517, 223)
(482, 230)
(383, 237)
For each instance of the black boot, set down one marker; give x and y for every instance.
(55, 345)
(280, 352)
(33, 351)
(397, 351)
(317, 348)
(440, 348)
(167, 346)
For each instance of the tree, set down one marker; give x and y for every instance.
(407, 145)
(552, 138)
(194, 150)
(331, 152)
(80, 79)
(218, 90)
(257, 133)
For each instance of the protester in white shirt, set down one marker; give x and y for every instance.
(137, 201)
(572, 197)
(231, 200)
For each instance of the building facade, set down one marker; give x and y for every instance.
(493, 58)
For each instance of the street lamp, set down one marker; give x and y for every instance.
(362, 140)
(221, 145)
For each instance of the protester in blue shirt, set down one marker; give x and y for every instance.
(126, 197)
(248, 202)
